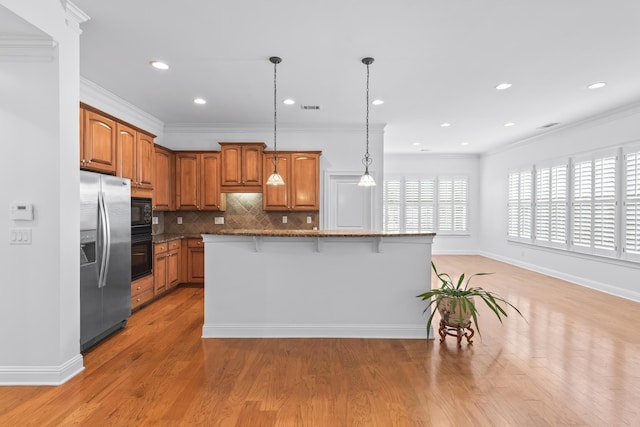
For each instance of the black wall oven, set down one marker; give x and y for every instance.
(141, 240)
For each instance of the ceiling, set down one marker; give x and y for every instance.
(435, 62)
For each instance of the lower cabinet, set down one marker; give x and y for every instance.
(193, 261)
(141, 291)
(166, 266)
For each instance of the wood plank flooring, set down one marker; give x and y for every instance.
(575, 360)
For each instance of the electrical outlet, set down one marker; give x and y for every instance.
(155, 220)
(309, 219)
(284, 219)
(179, 220)
(218, 220)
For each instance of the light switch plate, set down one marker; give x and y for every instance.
(284, 219)
(309, 219)
(218, 220)
(179, 220)
(20, 236)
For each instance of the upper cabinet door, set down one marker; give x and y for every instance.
(210, 196)
(99, 143)
(187, 181)
(231, 165)
(252, 164)
(305, 182)
(126, 143)
(144, 161)
(276, 197)
(162, 179)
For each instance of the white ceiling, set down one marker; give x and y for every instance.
(435, 62)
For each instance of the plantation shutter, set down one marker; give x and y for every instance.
(582, 188)
(452, 204)
(513, 203)
(604, 204)
(419, 204)
(525, 210)
(558, 210)
(543, 204)
(391, 205)
(631, 218)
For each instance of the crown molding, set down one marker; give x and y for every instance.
(27, 49)
(599, 118)
(265, 127)
(74, 16)
(100, 98)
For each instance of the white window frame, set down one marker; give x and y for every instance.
(630, 212)
(551, 195)
(520, 205)
(458, 209)
(596, 197)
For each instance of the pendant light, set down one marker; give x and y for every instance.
(367, 180)
(275, 178)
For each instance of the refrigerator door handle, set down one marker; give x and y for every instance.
(105, 229)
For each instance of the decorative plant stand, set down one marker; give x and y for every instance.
(456, 331)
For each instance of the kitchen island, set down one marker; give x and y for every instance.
(305, 283)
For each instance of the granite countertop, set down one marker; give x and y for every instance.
(316, 233)
(167, 237)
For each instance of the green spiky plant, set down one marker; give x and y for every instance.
(462, 295)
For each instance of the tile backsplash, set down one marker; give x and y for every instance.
(244, 211)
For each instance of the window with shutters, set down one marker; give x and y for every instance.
(591, 207)
(426, 204)
(631, 204)
(594, 205)
(520, 205)
(551, 206)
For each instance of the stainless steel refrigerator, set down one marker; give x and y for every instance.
(105, 256)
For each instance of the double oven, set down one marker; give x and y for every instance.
(141, 240)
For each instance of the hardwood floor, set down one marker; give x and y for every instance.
(575, 360)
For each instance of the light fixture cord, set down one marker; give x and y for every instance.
(275, 118)
(367, 161)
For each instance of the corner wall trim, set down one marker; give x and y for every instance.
(41, 375)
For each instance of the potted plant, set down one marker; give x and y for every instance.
(456, 302)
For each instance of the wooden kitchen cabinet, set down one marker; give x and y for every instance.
(97, 143)
(193, 260)
(198, 181)
(163, 181)
(241, 167)
(141, 291)
(301, 174)
(135, 159)
(166, 266)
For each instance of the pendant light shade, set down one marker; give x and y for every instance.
(367, 180)
(275, 178)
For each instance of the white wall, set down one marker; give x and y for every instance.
(435, 164)
(342, 148)
(39, 295)
(615, 128)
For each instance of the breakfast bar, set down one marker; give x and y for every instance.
(309, 283)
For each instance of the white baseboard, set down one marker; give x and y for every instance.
(314, 331)
(581, 281)
(41, 375)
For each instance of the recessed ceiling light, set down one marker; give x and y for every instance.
(377, 102)
(509, 124)
(415, 144)
(200, 101)
(159, 65)
(503, 86)
(597, 85)
(464, 143)
(289, 101)
(445, 125)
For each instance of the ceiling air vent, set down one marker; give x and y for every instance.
(310, 107)
(548, 125)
